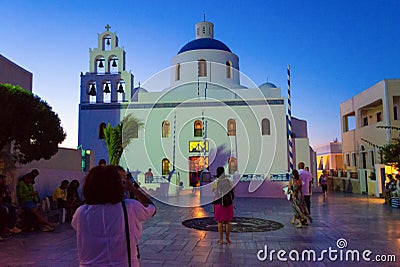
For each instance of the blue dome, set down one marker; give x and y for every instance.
(204, 43)
(267, 85)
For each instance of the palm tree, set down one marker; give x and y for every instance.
(118, 138)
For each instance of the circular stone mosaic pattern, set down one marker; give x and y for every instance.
(238, 224)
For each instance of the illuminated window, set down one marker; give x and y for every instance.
(101, 130)
(166, 166)
(198, 128)
(202, 68)
(231, 127)
(265, 127)
(232, 165)
(228, 69)
(165, 128)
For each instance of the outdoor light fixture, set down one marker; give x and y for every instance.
(92, 91)
(107, 89)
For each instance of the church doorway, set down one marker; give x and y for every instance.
(196, 166)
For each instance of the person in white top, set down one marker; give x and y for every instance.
(306, 178)
(100, 224)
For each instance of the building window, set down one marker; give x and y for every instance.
(363, 159)
(395, 116)
(178, 72)
(231, 127)
(198, 128)
(353, 159)
(265, 127)
(372, 156)
(229, 70)
(347, 159)
(101, 130)
(166, 166)
(378, 116)
(365, 121)
(202, 67)
(165, 128)
(232, 165)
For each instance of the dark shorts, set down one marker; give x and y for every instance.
(28, 205)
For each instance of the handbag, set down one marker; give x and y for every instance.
(128, 242)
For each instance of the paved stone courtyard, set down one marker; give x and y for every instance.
(341, 222)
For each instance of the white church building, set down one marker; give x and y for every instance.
(199, 113)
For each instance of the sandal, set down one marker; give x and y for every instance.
(228, 241)
(220, 242)
(48, 229)
(15, 230)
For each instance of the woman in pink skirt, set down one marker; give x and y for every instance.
(223, 204)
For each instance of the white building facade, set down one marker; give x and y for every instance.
(366, 120)
(197, 114)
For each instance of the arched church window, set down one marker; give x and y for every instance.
(229, 69)
(99, 65)
(92, 92)
(265, 127)
(166, 166)
(121, 91)
(198, 128)
(106, 42)
(165, 128)
(113, 64)
(232, 165)
(202, 68)
(107, 92)
(102, 126)
(231, 127)
(178, 72)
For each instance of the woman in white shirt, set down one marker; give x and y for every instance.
(100, 224)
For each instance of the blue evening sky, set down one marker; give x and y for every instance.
(336, 48)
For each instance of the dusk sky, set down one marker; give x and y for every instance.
(336, 48)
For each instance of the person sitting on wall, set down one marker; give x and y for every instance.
(73, 198)
(60, 198)
(28, 199)
(390, 186)
(8, 211)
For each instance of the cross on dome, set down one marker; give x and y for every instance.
(108, 27)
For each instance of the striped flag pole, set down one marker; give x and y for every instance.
(205, 92)
(198, 88)
(173, 149)
(290, 123)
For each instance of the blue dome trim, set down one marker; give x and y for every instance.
(204, 43)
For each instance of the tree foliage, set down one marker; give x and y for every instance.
(28, 124)
(118, 138)
(391, 153)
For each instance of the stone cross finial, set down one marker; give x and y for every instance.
(108, 27)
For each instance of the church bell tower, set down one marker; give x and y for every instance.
(107, 80)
